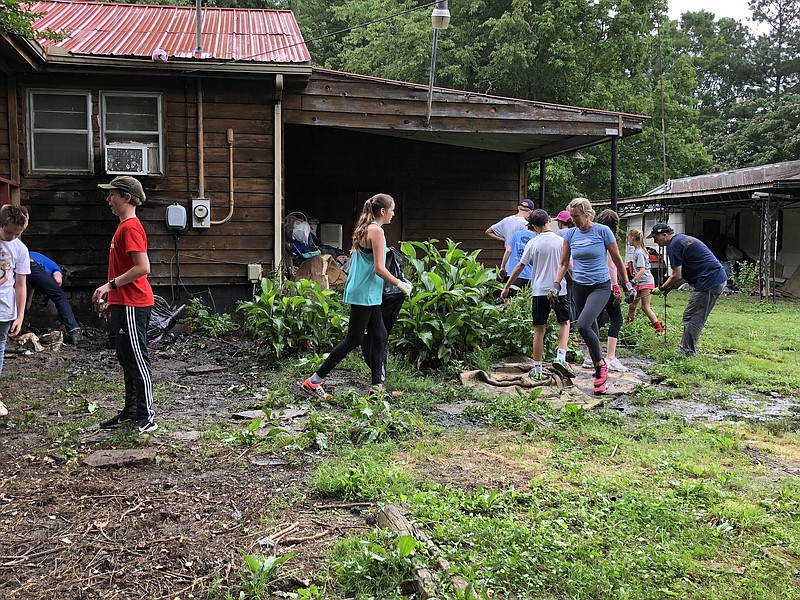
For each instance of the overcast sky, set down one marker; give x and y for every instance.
(735, 9)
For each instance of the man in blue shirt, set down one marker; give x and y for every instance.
(46, 277)
(693, 262)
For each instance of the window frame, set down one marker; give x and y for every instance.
(89, 132)
(104, 142)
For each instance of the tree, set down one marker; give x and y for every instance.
(17, 18)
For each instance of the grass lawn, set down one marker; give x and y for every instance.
(597, 505)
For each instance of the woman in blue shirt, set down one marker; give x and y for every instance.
(364, 291)
(586, 245)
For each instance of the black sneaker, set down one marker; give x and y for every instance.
(117, 420)
(145, 426)
(74, 337)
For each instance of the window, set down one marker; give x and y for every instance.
(60, 131)
(132, 133)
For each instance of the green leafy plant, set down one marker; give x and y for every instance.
(452, 310)
(207, 323)
(379, 567)
(258, 572)
(744, 276)
(298, 317)
(373, 420)
(360, 475)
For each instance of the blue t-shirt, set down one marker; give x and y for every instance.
(47, 264)
(588, 250)
(699, 266)
(519, 239)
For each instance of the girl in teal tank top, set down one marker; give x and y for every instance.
(363, 291)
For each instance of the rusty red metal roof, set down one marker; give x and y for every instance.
(136, 30)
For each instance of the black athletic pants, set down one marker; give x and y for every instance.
(362, 319)
(129, 325)
(390, 309)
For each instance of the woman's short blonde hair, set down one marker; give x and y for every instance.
(582, 205)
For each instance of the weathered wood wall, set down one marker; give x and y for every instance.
(5, 168)
(447, 191)
(71, 222)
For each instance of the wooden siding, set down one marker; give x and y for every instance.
(5, 167)
(443, 191)
(71, 222)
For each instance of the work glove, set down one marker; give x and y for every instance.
(630, 292)
(664, 290)
(406, 287)
(617, 295)
(552, 294)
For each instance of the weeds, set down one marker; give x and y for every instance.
(204, 322)
(378, 567)
(361, 474)
(257, 573)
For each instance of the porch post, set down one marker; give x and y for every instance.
(541, 182)
(614, 153)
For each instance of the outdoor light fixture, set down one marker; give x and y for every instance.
(440, 19)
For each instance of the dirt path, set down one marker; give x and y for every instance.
(161, 528)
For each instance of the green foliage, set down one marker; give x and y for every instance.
(744, 276)
(378, 567)
(452, 311)
(207, 323)
(361, 475)
(512, 412)
(373, 420)
(300, 317)
(257, 573)
(16, 18)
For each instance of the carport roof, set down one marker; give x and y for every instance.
(735, 187)
(373, 105)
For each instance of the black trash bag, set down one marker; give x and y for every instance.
(162, 318)
(394, 264)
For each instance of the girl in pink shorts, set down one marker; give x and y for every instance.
(642, 280)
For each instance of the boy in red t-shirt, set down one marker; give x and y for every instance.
(130, 300)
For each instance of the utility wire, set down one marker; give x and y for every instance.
(327, 35)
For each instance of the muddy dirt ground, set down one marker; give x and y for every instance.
(165, 527)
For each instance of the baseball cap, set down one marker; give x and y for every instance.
(527, 203)
(127, 184)
(660, 228)
(563, 216)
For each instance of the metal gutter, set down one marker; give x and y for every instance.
(183, 67)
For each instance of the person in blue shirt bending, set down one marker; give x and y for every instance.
(46, 277)
(691, 261)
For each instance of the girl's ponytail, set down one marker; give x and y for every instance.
(371, 209)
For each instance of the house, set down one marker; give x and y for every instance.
(753, 211)
(229, 121)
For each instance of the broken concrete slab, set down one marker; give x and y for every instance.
(120, 458)
(455, 409)
(282, 414)
(510, 376)
(185, 436)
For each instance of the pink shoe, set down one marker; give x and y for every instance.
(600, 386)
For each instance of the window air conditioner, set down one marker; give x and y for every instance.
(126, 159)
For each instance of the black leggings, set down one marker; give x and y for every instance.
(590, 300)
(390, 309)
(362, 319)
(614, 317)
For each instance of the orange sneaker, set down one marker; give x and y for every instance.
(314, 390)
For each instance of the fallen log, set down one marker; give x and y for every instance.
(393, 517)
